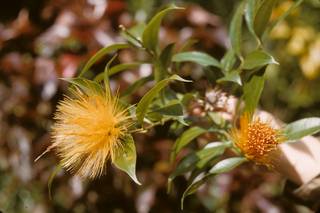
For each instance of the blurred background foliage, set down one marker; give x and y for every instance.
(43, 40)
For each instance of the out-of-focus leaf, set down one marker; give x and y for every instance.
(197, 57)
(187, 44)
(125, 157)
(101, 53)
(223, 166)
(136, 85)
(151, 31)
(300, 128)
(235, 31)
(252, 92)
(257, 59)
(149, 96)
(228, 61)
(283, 16)
(173, 108)
(263, 15)
(185, 139)
(232, 76)
(118, 68)
(57, 169)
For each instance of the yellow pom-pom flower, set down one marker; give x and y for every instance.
(88, 131)
(257, 140)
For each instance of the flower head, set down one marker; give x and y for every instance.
(257, 140)
(88, 130)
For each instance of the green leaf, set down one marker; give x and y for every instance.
(197, 57)
(227, 165)
(235, 31)
(232, 76)
(125, 158)
(223, 166)
(300, 128)
(252, 92)
(185, 139)
(136, 85)
(151, 31)
(257, 59)
(57, 169)
(134, 34)
(263, 15)
(250, 14)
(106, 75)
(149, 96)
(173, 108)
(197, 160)
(118, 68)
(209, 152)
(101, 53)
(161, 65)
(85, 85)
(228, 60)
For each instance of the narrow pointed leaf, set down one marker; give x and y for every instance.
(118, 68)
(151, 31)
(125, 158)
(185, 139)
(300, 128)
(136, 85)
(223, 166)
(196, 57)
(252, 92)
(235, 31)
(146, 100)
(250, 14)
(56, 170)
(263, 15)
(100, 54)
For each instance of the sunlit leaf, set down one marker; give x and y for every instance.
(197, 57)
(300, 128)
(101, 53)
(252, 92)
(232, 76)
(151, 31)
(125, 158)
(151, 94)
(235, 31)
(257, 59)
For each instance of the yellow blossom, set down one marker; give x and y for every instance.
(88, 130)
(257, 140)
